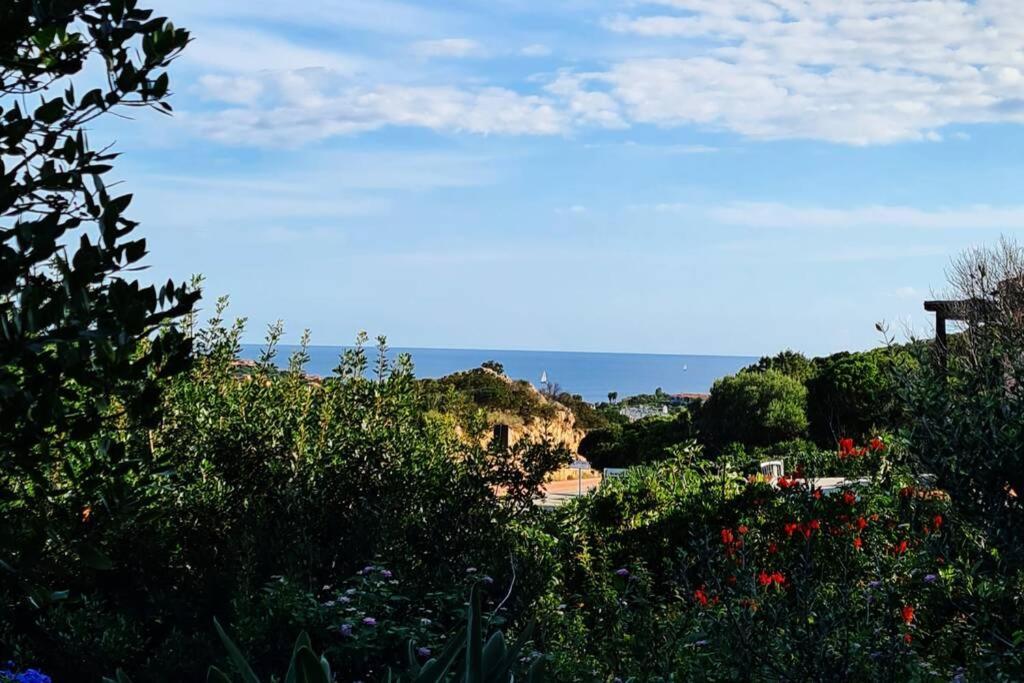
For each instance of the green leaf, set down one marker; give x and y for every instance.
(95, 558)
(248, 675)
(474, 646)
(215, 675)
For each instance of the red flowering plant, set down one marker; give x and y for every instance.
(775, 579)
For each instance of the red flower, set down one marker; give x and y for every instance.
(877, 444)
(779, 578)
(857, 543)
(773, 548)
(727, 537)
(845, 447)
(814, 524)
(790, 527)
(907, 638)
(861, 523)
(742, 528)
(764, 578)
(849, 497)
(908, 614)
(816, 494)
(86, 513)
(701, 597)
(900, 547)
(937, 521)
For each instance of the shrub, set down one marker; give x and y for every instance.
(853, 395)
(754, 409)
(635, 443)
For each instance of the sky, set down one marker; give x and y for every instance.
(673, 176)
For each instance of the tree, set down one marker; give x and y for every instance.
(494, 366)
(852, 395)
(612, 396)
(754, 409)
(966, 415)
(82, 341)
(790, 363)
(637, 443)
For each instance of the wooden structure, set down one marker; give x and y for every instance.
(1009, 294)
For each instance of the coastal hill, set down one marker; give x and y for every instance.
(481, 398)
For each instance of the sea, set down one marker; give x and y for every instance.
(591, 375)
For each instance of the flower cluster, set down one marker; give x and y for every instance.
(848, 449)
(9, 675)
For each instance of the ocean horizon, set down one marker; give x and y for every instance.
(592, 375)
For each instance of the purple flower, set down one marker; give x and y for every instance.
(423, 652)
(930, 578)
(369, 621)
(386, 573)
(874, 584)
(346, 630)
(622, 572)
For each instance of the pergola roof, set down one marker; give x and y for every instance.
(956, 310)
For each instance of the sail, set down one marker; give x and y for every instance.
(544, 377)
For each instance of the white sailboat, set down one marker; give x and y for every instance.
(544, 377)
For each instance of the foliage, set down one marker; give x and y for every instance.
(853, 395)
(790, 363)
(467, 658)
(259, 473)
(634, 443)
(587, 416)
(493, 366)
(464, 393)
(84, 345)
(754, 409)
(687, 574)
(966, 418)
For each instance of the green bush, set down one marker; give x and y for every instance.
(853, 395)
(635, 443)
(754, 409)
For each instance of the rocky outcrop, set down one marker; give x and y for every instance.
(555, 422)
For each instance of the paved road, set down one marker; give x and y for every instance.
(558, 492)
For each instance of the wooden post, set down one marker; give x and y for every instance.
(940, 338)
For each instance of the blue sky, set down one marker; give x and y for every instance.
(676, 176)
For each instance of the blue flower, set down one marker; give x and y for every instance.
(369, 621)
(622, 572)
(930, 578)
(423, 652)
(27, 676)
(346, 630)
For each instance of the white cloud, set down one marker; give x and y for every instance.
(907, 293)
(776, 215)
(448, 47)
(855, 72)
(535, 50)
(304, 110)
(237, 51)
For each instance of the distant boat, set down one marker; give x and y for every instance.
(685, 368)
(544, 377)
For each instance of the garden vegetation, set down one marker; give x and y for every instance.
(171, 513)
